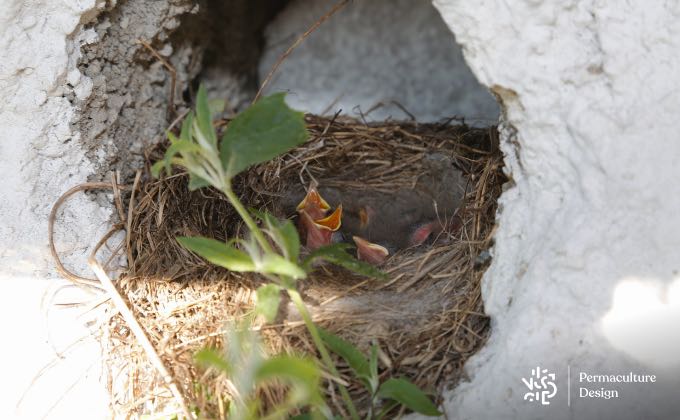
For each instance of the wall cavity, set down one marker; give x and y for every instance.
(377, 59)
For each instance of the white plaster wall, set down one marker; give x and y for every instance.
(374, 52)
(586, 268)
(40, 159)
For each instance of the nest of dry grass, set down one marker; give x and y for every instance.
(428, 318)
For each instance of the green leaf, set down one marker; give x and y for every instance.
(276, 264)
(185, 132)
(218, 253)
(301, 372)
(212, 358)
(268, 300)
(337, 254)
(409, 395)
(283, 233)
(196, 182)
(157, 168)
(260, 133)
(177, 146)
(373, 360)
(314, 416)
(204, 116)
(386, 408)
(290, 240)
(304, 416)
(354, 358)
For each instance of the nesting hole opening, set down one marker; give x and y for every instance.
(427, 318)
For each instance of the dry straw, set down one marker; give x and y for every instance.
(428, 318)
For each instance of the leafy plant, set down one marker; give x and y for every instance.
(248, 367)
(399, 391)
(272, 248)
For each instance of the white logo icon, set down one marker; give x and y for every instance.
(541, 386)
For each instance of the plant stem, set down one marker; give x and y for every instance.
(252, 226)
(295, 297)
(325, 356)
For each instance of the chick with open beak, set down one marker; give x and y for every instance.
(315, 226)
(314, 205)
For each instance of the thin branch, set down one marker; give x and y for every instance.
(338, 6)
(173, 75)
(138, 332)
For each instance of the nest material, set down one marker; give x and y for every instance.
(428, 318)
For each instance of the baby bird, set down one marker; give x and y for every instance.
(381, 223)
(370, 252)
(315, 226)
(313, 204)
(319, 229)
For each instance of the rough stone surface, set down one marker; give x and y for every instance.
(369, 54)
(586, 270)
(61, 128)
(125, 105)
(42, 157)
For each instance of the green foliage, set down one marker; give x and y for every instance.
(266, 130)
(302, 374)
(286, 236)
(276, 264)
(409, 395)
(211, 358)
(400, 390)
(337, 254)
(218, 253)
(249, 370)
(205, 134)
(227, 256)
(354, 358)
(260, 133)
(268, 300)
(282, 232)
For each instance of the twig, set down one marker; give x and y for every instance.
(115, 179)
(128, 228)
(83, 281)
(338, 6)
(173, 75)
(138, 331)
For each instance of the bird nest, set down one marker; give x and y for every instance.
(427, 318)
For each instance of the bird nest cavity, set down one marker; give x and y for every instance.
(427, 317)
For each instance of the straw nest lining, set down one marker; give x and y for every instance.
(428, 318)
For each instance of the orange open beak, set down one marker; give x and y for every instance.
(370, 252)
(313, 204)
(319, 232)
(332, 222)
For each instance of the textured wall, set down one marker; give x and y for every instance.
(41, 158)
(586, 269)
(77, 98)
